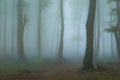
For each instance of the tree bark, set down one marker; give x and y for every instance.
(5, 16)
(111, 35)
(13, 26)
(60, 51)
(88, 59)
(118, 25)
(39, 29)
(20, 31)
(117, 33)
(97, 49)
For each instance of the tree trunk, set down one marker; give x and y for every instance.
(20, 31)
(98, 32)
(5, 16)
(13, 26)
(88, 59)
(60, 51)
(117, 34)
(39, 29)
(111, 34)
(118, 25)
(117, 42)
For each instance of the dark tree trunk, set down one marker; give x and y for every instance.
(20, 31)
(88, 59)
(117, 33)
(39, 29)
(5, 12)
(111, 35)
(13, 26)
(60, 49)
(118, 25)
(117, 42)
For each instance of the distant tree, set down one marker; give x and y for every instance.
(116, 29)
(97, 47)
(118, 25)
(5, 21)
(13, 25)
(88, 59)
(60, 49)
(42, 4)
(20, 30)
(111, 33)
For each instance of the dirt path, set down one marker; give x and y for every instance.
(65, 71)
(62, 71)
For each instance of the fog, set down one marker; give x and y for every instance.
(74, 41)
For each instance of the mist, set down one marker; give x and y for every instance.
(58, 30)
(75, 16)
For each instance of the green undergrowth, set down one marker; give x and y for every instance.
(49, 70)
(13, 66)
(99, 76)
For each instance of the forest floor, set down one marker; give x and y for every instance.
(57, 71)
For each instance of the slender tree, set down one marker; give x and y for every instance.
(39, 28)
(60, 49)
(13, 26)
(97, 32)
(42, 4)
(116, 29)
(5, 20)
(1, 21)
(20, 31)
(117, 34)
(88, 59)
(111, 34)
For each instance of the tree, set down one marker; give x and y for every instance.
(13, 25)
(5, 19)
(39, 28)
(42, 4)
(111, 34)
(97, 32)
(116, 29)
(60, 49)
(88, 59)
(20, 31)
(117, 34)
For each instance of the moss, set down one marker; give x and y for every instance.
(99, 76)
(15, 66)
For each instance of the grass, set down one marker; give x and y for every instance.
(9, 66)
(42, 70)
(98, 76)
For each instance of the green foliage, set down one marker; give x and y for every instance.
(25, 4)
(101, 75)
(44, 4)
(112, 29)
(113, 11)
(109, 1)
